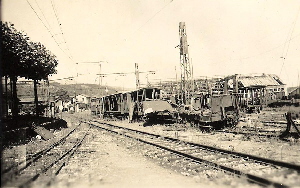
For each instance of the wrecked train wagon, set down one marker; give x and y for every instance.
(127, 104)
(158, 110)
(214, 111)
(115, 105)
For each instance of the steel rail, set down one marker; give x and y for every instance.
(69, 152)
(37, 155)
(259, 133)
(247, 156)
(250, 177)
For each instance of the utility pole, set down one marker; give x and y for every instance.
(177, 91)
(100, 77)
(137, 76)
(185, 86)
(136, 72)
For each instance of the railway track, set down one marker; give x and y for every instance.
(196, 158)
(42, 166)
(259, 132)
(271, 129)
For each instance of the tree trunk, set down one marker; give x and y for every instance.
(5, 108)
(15, 102)
(36, 97)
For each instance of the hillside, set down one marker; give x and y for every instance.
(87, 89)
(26, 90)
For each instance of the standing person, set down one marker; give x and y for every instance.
(131, 111)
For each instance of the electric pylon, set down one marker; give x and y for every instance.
(186, 75)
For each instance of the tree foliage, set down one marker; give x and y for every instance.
(40, 62)
(13, 48)
(21, 57)
(62, 94)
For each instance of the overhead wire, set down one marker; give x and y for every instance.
(154, 15)
(147, 21)
(59, 24)
(42, 13)
(289, 42)
(48, 29)
(69, 77)
(269, 50)
(261, 53)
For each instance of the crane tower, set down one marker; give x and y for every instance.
(186, 74)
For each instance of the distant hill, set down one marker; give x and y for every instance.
(25, 90)
(87, 89)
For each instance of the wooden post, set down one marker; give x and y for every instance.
(226, 86)
(5, 111)
(15, 102)
(235, 84)
(21, 151)
(36, 97)
(261, 96)
(253, 95)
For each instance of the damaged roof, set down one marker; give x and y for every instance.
(157, 106)
(261, 80)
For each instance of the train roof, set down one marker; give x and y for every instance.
(131, 91)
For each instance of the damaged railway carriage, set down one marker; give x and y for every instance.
(145, 103)
(214, 112)
(211, 109)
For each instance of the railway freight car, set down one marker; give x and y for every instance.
(144, 103)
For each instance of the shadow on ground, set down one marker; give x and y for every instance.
(17, 131)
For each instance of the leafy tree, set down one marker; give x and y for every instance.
(13, 48)
(39, 64)
(62, 95)
(23, 58)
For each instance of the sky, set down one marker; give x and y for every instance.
(91, 37)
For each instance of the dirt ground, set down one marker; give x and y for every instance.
(272, 148)
(107, 162)
(112, 165)
(103, 162)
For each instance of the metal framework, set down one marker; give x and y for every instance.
(186, 74)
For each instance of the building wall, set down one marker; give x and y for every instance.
(83, 99)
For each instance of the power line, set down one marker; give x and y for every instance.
(47, 29)
(264, 52)
(289, 42)
(269, 50)
(59, 24)
(126, 39)
(154, 15)
(123, 73)
(68, 78)
(43, 14)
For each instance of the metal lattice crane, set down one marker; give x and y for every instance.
(186, 74)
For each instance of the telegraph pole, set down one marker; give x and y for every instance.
(100, 77)
(137, 76)
(136, 72)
